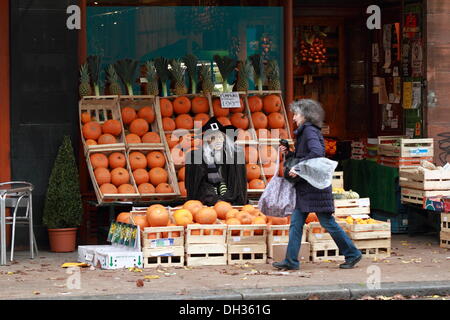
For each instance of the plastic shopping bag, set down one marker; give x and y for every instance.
(318, 172)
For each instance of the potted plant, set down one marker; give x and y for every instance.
(63, 207)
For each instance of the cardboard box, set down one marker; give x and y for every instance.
(110, 256)
(86, 254)
(279, 252)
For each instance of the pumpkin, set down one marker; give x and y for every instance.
(218, 110)
(183, 217)
(244, 135)
(92, 130)
(99, 160)
(139, 127)
(222, 207)
(102, 175)
(279, 133)
(224, 121)
(147, 113)
(166, 107)
(158, 176)
(267, 154)
(182, 105)
(133, 138)
(90, 142)
(263, 133)
(233, 221)
(139, 220)
(151, 137)
(85, 117)
(193, 206)
(117, 160)
(119, 176)
(140, 176)
(184, 121)
(172, 140)
(146, 188)
(257, 184)
(253, 171)
(123, 217)
(251, 155)
(181, 174)
(128, 115)
(108, 188)
(156, 159)
(259, 120)
(239, 120)
(126, 188)
(182, 187)
(157, 216)
(168, 124)
(276, 120)
(137, 160)
(271, 103)
(200, 105)
(248, 208)
(244, 217)
(312, 217)
(255, 104)
(240, 109)
(112, 127)
(269, 169)
(231, 214)
(201, 117)
(278, 220)
(107, 139)
(164, 188)
(206, 216)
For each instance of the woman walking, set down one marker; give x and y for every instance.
(309, 115)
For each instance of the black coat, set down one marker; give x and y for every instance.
(310, 144)
(199, 188)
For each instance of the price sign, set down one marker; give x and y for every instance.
(230, 100)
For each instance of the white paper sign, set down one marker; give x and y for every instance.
(230, 100)
(364, 202)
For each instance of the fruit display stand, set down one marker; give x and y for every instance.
(247, 244)
(163, 246)
(101, 188)
(99, 109)
(444, 239)
(346, 207)
(427, 180)
(278, 235)
(145, 107)
(206, 244)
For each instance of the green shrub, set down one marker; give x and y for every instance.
(63, 206)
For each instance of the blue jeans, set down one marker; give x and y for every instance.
(343, 242)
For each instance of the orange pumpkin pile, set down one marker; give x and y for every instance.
(138, 125)
(182, 112)
(149, 171)
(267, 116)
(109, 132)
(111, 173)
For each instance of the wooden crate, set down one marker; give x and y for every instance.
(444, 240)
(207, 234)
(380, 230)
(402, 147)
(247, 234)
(206, 254)
(325, 251)
(101, 109)
(316, 233)
(137, 102)
(279, 234)
(156, 237)
(347, 207)
(338, 179)
(257, 192)
(445, 222)
(425, 180)
(402, 162)
(262, 94)
(417, 196)
(172, 256)
(172, 177)
(104, 198)
(379, 248)
(247, 253)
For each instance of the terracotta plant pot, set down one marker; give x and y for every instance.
(62, 240)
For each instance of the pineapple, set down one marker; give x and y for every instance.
(207, 83)
(191, 68)
(152, 77)
(113, 80)
(244, 73)
(177, 72)
(85, 85)
(273, 75)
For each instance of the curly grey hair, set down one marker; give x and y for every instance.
(310, 109)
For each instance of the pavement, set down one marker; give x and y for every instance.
(417, 267)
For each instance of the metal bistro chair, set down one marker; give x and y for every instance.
(16, 194)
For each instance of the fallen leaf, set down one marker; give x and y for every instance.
(151, 277)
(398, 297)
(134, 269)
(183, 291)
(367, 298)
(168, 274)
(244, 278)
(36, 292)
(187, 268)
(10, 273)
(313, 297)
(139, 283)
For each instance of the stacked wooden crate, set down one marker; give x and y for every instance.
(359, 149)
(445, 224)
(400, 152)
(418, 185)
(247, 244)
(323, 247)
(206, 244)
(163, 247)
(278, 239)
(347, 207)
